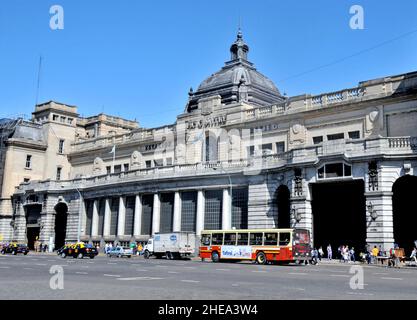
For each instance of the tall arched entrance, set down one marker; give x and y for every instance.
(405, 212)
(33, 217)
(61, 216)
(283, 204)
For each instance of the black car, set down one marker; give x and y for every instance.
(78, 250)
(15, 248)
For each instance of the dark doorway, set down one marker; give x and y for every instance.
(32, 236)
(33, 217)
(61, 216)
(405, 212)
(283, 203)
(339, 215)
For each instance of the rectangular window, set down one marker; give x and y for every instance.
(240, 208)
(188, 211)
(117, 169)
(166, 212)
(58, 173)
(242, 239)
(271, 239)
(130, 215)
(55, 117)
(251, 151)
(70, 120)
(126, 167)
(28, 161)
(114, 216)
(26, 180)
(61, 146)
(280, 147)
(205, 239)
(169, 161)
(266, 148)
(354, 135)
(159, 162)
(255, 239)
(147, 213)
(217, 239)
(213, 209)
(336, 136)
(148, 164)
(230, 239)
(108, 169)
(284, 238)
(317, 140)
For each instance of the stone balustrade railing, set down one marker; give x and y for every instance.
(350, 148)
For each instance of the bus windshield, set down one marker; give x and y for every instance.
(301, 237)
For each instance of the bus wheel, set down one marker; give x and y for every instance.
(169, 255)
(215, 257)
(261, 258)
(146, 254)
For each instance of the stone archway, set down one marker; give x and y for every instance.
(61, 217)
(405, 212)
(283, 206)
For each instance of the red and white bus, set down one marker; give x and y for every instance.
(260, 245)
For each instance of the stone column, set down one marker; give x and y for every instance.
(156, 214)
(380, 232)
(94, 222)
(107, 217)
(177, 212)
(138, 216)
(122, 217)
(19, 231)
(200, 212)
(226, 214)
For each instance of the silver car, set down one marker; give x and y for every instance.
(120, 252)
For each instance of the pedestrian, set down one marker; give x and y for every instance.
(414, 255)
(329, 252)
(345, 254)
(45, 247)
(352, 254)
(321, 253)
(375, 253)
(340, 253)
(40, 246)
(140, 248)
(106, 248)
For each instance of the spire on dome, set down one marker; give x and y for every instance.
(239, 49)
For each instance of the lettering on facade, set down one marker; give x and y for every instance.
(211, 122)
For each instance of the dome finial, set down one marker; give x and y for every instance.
(239, 49)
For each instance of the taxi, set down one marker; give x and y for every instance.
(15, 248)
(78, 250)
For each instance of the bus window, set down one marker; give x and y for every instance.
(230, 239)
(217, 239)
(284, 238)
(242, 239)
(301, 237)
(271, 239)
(205, 239)
(255, 239)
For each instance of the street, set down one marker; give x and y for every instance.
(28, 277)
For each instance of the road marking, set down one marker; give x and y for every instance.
(223, 269)
(340, 275)
(161, 266)
(190, 281)
(388, 278)
(141, 270)
(138, 278)
(51, 260)
(360, 293)
(380, 273)
(172, 272)
(28, 268)
(298, 273)
(189, 267)
(259, 271)
(40, 264)
(111, 263)
(4, 267)
(81, 272)
(90, 262)
(112, 275)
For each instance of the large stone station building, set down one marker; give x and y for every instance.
(242, 155)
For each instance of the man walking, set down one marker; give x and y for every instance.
(329, 252)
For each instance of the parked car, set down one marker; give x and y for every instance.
(120, 252)
(61, 250)
(15, 248)
(79, 250)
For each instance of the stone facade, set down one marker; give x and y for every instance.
(222, 163)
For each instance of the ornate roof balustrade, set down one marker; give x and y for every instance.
(351, 149)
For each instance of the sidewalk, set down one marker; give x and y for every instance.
(337, 262)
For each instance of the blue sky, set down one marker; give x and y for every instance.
(137, 59)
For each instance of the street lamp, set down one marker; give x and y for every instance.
(230, 186)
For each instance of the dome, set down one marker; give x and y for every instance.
(237, 81)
